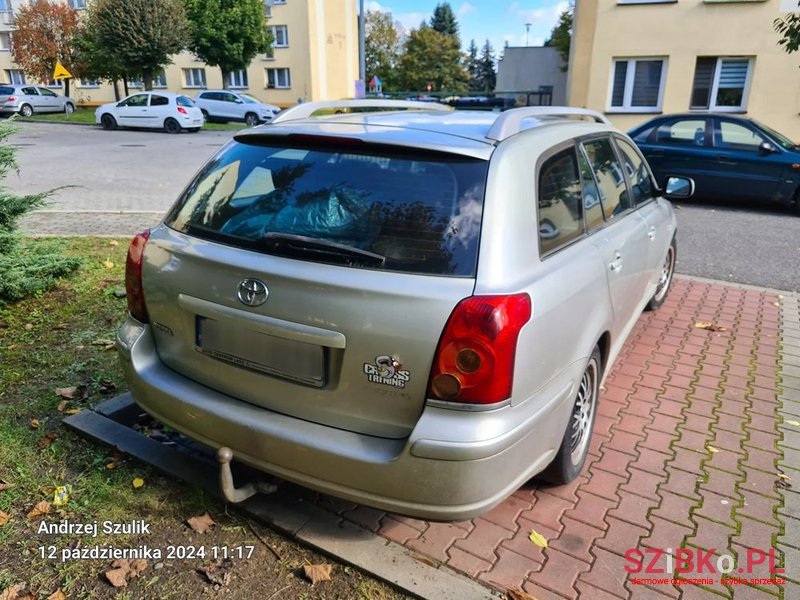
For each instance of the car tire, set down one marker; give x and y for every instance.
(205, 115)
(665, 278)
(574, 449)
(251, 119)
(108, 122)
(69, 108)
(172, 126)
(26, 110)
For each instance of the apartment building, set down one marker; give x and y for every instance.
(314, 56)
(633, 59)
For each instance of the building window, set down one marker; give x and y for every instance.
(278, 1)
(88, 83)
(5, 41)
(721, 84)
(637, 84)
(280, 35)
(159, 81)
(237, 79)
(278, 78)
(4, 6)
(16, 76)
(194, 78)
(79, 4)
(53, 84)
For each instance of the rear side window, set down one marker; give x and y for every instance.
(560, 201)
(6, 91)
(156, 100)
(686, 132)
(184, 101)
(609, 176)
(415, 214)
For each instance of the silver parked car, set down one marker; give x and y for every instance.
(29, 99)
(229, 105)
(412, 309)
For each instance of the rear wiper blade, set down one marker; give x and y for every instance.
(287, 243)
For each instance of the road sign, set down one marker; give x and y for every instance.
(60, 72)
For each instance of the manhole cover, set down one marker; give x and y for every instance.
(133, 145)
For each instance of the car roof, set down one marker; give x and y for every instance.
(456, 131)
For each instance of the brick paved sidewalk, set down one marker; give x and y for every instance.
(684, 455)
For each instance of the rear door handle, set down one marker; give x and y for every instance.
(651, 233)
(616, 264)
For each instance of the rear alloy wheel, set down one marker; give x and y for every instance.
(569, 461)
(26, 110)
(69, 108)
(251, 119)
(108, 122)
(664, 279)
(172, 126)
(205, 114)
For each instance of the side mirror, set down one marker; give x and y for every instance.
(121, 104)
(679, 187)
(767, 148)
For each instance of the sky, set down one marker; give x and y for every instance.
(499, 21)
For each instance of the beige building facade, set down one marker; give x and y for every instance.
(314, 57)
(634, 59)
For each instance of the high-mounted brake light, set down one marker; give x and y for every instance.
(133, 277)
(474, 362)
(183, 111)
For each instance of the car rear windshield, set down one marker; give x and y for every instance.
(416, 213)
(184, 101)
(6, 91)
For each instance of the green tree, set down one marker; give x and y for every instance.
(486, 76)
(142, 34)
(95, 61)
(432, 59)
(44, 33)
(227, 33)
(788, 27)
(473, 66)
(561, 35)
(26, 268)
(444, 20)
(383, 47)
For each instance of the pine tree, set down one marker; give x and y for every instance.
(561, 35)
(444, 20)
(432, 59)
(473, 66)
(487, 77)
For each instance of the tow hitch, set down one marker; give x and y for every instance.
(230, 493)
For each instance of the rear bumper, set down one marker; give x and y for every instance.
(454, 466)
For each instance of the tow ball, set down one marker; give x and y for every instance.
(232, 494)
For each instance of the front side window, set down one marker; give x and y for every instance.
(194, 78)
(237, 79)
(609, 176)
(46, 92)
(413, 213)
(279, 78)
(637, 84)
(721, 84)
(640, 182)
(560, 201)
(734, 136)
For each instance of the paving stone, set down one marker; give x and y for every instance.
(509, 571)
(755, 534)
(666, 534)
(607, 572)
(484, 539)
(722, 483)
(591, 510)
(622, 536)
(467, 563)
(397, 532)
(675, 508)
(548, 510)
(576, 538)
(711, 535)
(560, 573)
(437, 539)
(521, 544)
(507, 512)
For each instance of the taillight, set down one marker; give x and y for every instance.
(183, 111)
(474, 361)
(133, 277)
(11, 99)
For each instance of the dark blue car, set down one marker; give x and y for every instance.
(727, 156)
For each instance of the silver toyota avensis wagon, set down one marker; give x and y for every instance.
(400, 304)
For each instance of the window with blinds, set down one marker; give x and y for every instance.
(637, 84)
(720, 83)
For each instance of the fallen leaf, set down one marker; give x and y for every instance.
(67, 392)
(34, 423)
(108, 264)
(518, 594)
(117, 577)
(45, 441)
(317, 573)
(73, 411)
(709, 326)
(60, 496)
(218, 573)
(202, 523)
(4, 485)
(57, 595)
(62, 405)
(13, 592)
(109, 346)
(111, 465)
(42, 508)
(712, 449)
(59, 326)
(11, 347)
(124, 570)
(138, 482)
(48, 490)
(107, 387)
(793, 423)
(4, 518)
(114, 243)
(28, 326)
(538, 539)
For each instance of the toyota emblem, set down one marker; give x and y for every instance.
(252, 292)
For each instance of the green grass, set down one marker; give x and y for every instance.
(85, 116)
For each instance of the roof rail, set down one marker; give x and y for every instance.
(306, 109)
(510, 121)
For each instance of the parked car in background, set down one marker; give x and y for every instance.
(153, 110)
(727, 156)
(412, 309)
(228, 105)
(29, 99)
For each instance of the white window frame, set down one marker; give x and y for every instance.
(88, 83)
(8, 46)
(712, 99)
(77, 4)
(194, 84)
(629, 77)
(278, 86)
(57, 84)
(273, 30)
(6, 6)
(238, 83)
(16, 77)
(157, 85)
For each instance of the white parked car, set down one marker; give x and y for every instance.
(154, 110)
(227, 105)
(29, 99)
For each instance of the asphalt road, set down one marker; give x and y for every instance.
(141, 173)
